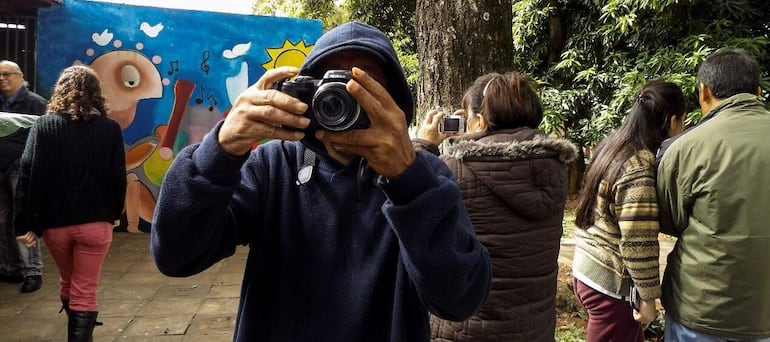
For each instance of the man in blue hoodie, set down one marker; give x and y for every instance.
(353, 235)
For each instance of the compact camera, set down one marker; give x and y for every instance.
(452, 123)
(330, 106)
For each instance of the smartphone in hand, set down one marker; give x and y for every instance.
(635, 300)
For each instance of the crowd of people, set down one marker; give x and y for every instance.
(371, 234)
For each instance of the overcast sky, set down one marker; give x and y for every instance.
(227, 6)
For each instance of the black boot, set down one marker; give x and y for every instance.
(81, 326)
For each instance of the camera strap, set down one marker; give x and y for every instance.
(306, 170)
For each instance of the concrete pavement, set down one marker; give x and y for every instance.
(137, 303)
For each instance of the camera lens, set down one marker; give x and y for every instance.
(451, 125)
(334, 108)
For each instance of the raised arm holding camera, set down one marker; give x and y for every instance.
(513, 179)
(353, 235)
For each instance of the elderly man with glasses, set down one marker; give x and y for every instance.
(16, 97)
(17, 262)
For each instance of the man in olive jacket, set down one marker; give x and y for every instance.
(713, 191)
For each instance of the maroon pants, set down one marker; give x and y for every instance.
(609, 319)
(79, 252)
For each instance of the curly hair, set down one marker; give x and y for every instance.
(77, 93)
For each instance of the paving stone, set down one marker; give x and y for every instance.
(185, 291)
(158, 326)
(225, 291)
(161, 306)
(219, 306)
(207, 325)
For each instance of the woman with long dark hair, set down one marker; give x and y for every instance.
(616, 251)
(71, 190)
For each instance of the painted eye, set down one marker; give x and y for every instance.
(130, 76)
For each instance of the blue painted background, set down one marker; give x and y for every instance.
(219, 54)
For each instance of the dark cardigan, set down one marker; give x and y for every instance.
(72, 172)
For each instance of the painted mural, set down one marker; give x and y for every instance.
(168, 75)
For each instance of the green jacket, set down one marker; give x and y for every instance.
(714, 193)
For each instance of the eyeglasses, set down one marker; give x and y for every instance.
(8, 74)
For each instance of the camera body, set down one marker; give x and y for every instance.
(330, 106)
(452, 123)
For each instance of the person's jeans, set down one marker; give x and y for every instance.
(79, 252)
(31, 261)
(10, 262)
(609, 319)
(675, 332)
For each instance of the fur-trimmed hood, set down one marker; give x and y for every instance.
(506, 146)
(523, 168)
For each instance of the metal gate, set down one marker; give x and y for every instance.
(18, 43)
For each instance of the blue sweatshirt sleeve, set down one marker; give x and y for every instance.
(444, 259)
(193, 227)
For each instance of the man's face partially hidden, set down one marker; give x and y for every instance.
(346, 60)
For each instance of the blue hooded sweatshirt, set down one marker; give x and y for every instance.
(334, 258)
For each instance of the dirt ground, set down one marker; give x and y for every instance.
(569, 312)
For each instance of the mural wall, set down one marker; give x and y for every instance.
(168, 75)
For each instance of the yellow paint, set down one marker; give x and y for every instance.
(287, 55)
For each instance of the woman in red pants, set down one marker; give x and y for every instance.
(72, 189)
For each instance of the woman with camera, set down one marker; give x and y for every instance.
(513, 179)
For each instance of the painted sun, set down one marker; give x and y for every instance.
(287, 55)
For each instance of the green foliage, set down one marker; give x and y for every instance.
(605, 50)
(570, 333)
(326, 10)
(396, 19)
(611, 48)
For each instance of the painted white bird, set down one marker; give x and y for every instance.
(102, 39)
(237, 51)
(151, 31)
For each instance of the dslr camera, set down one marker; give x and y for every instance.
(330, 106)
(452, 123)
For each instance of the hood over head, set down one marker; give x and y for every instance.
(522, 168)
(362, 37)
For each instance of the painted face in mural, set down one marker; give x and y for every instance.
(346, 60)
(127, 77)
(11, 78)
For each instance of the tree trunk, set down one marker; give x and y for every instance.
(457, 41)
(556, 35)
(577, 170)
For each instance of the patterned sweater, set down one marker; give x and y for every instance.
(621, 247)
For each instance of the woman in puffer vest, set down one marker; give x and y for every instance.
(513, 179)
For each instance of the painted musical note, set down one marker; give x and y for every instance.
(199, 100)
(211, 99)
(204, 63)
(212, 102)
(174, 67)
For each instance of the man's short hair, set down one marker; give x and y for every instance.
(728, 72)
